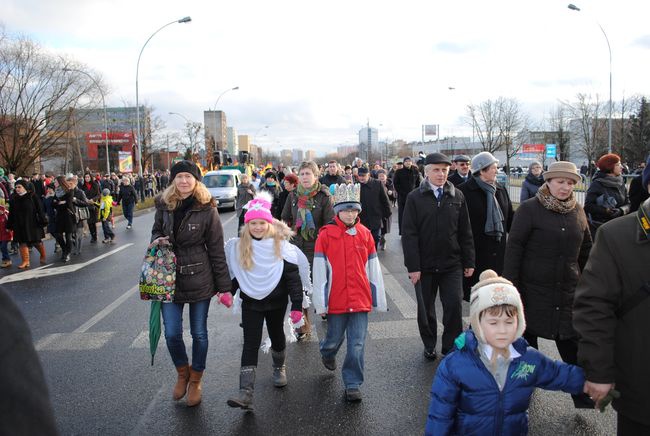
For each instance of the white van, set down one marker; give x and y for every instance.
(222, 184)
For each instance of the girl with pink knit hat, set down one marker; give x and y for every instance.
(269, 275)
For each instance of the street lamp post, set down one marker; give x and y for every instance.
(609, 47)
(101, 91)
(137, 100)
(221, 95)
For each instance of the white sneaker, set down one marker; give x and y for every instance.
(129, 226)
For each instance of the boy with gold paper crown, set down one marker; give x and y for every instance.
(348, 283)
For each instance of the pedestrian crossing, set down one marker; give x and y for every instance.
(378, 329)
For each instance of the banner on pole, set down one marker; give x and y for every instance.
(126, 162)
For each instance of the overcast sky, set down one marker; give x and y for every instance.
(316, 71)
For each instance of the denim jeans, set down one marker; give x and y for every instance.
(172, 314)
(4, 249)
(127, 209)
(355, 327)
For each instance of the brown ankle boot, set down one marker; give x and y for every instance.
(181, 384)
(24, 255)
(194, 388)
(41, 250)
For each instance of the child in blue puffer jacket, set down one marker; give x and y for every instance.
(483, 387)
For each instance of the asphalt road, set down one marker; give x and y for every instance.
(90, 330)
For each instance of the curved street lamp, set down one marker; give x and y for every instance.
(137, 101)
(221, 95)
(101, 91)
(609, 47)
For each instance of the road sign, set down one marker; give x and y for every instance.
(551, 150)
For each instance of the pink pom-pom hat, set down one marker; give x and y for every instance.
(259, 208)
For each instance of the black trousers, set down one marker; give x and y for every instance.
(626, 427)
(253, 321)
(92, 223)
(568, 348)
(376, 235)
(65, 242)
(401, 203)
(450, 285)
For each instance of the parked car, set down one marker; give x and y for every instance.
(222, 184)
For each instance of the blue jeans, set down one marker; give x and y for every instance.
(4, 250)
(355, 327)
(127, 210)
(172, 314)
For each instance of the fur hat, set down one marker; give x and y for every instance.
(185, 166)
(492, 290)
(483, 160)
(259, 208)
(607, 162)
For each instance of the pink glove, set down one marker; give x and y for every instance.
(295, 316)
(226, 299)
(114, 203)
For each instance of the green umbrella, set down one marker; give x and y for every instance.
(154, 328)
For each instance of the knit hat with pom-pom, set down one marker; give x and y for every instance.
(259, 208)
(492, 290)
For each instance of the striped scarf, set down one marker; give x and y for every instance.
(305, 225)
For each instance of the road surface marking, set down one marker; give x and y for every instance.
(393, 329)
(405, 304)
(74, 341)
(46, 271)
(142, 340)
(107, 310)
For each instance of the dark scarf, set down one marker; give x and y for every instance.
(611, 181)
(494, 216)
(551, 203)
(535, 180)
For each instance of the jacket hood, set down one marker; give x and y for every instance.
(282, 230)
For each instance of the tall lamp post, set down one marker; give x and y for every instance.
(137, 100)
(221, 95)
(101, 91)
(609, 47)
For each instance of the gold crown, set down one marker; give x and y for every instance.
(345, 193)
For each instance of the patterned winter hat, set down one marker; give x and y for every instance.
(259, 208)
(492, 290)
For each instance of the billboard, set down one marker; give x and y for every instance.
(98, 139)
(533, 148)
(126, 161)
(430, 130)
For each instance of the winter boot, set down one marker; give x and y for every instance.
(246, 389)
(194, 388)
(279, 368)
(24, 255)
(6, 263)
(41, 250)
(181, 383)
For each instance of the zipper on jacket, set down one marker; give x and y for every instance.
(499, 418)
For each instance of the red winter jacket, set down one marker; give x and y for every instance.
(344, 261)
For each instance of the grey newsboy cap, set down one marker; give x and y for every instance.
(483, 160)
(436, 158)
(461, 158)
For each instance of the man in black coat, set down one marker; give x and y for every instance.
(25, 407)
(91, 188)
(438, 252)
(405, 180)
(489, 245)
(332, 176)
(374, 203)
(461, 174)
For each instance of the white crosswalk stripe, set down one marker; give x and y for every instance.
(74, 341)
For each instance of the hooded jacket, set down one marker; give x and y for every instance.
(347, 274)
(465, 398)
(201, 269)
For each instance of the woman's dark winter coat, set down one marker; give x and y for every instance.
(65, 217)
(323, 213)
(26, 218)
(617, 195)
(275, 193)
(201, 268)
(615, 349)
(289, 287)
(489, 252)
(545, 253)
(530, 186)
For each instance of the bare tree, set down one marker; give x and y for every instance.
(559, 123)
(591, 133)
(484, 119)
(36, 91)
(637, 145)
(512, 126)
